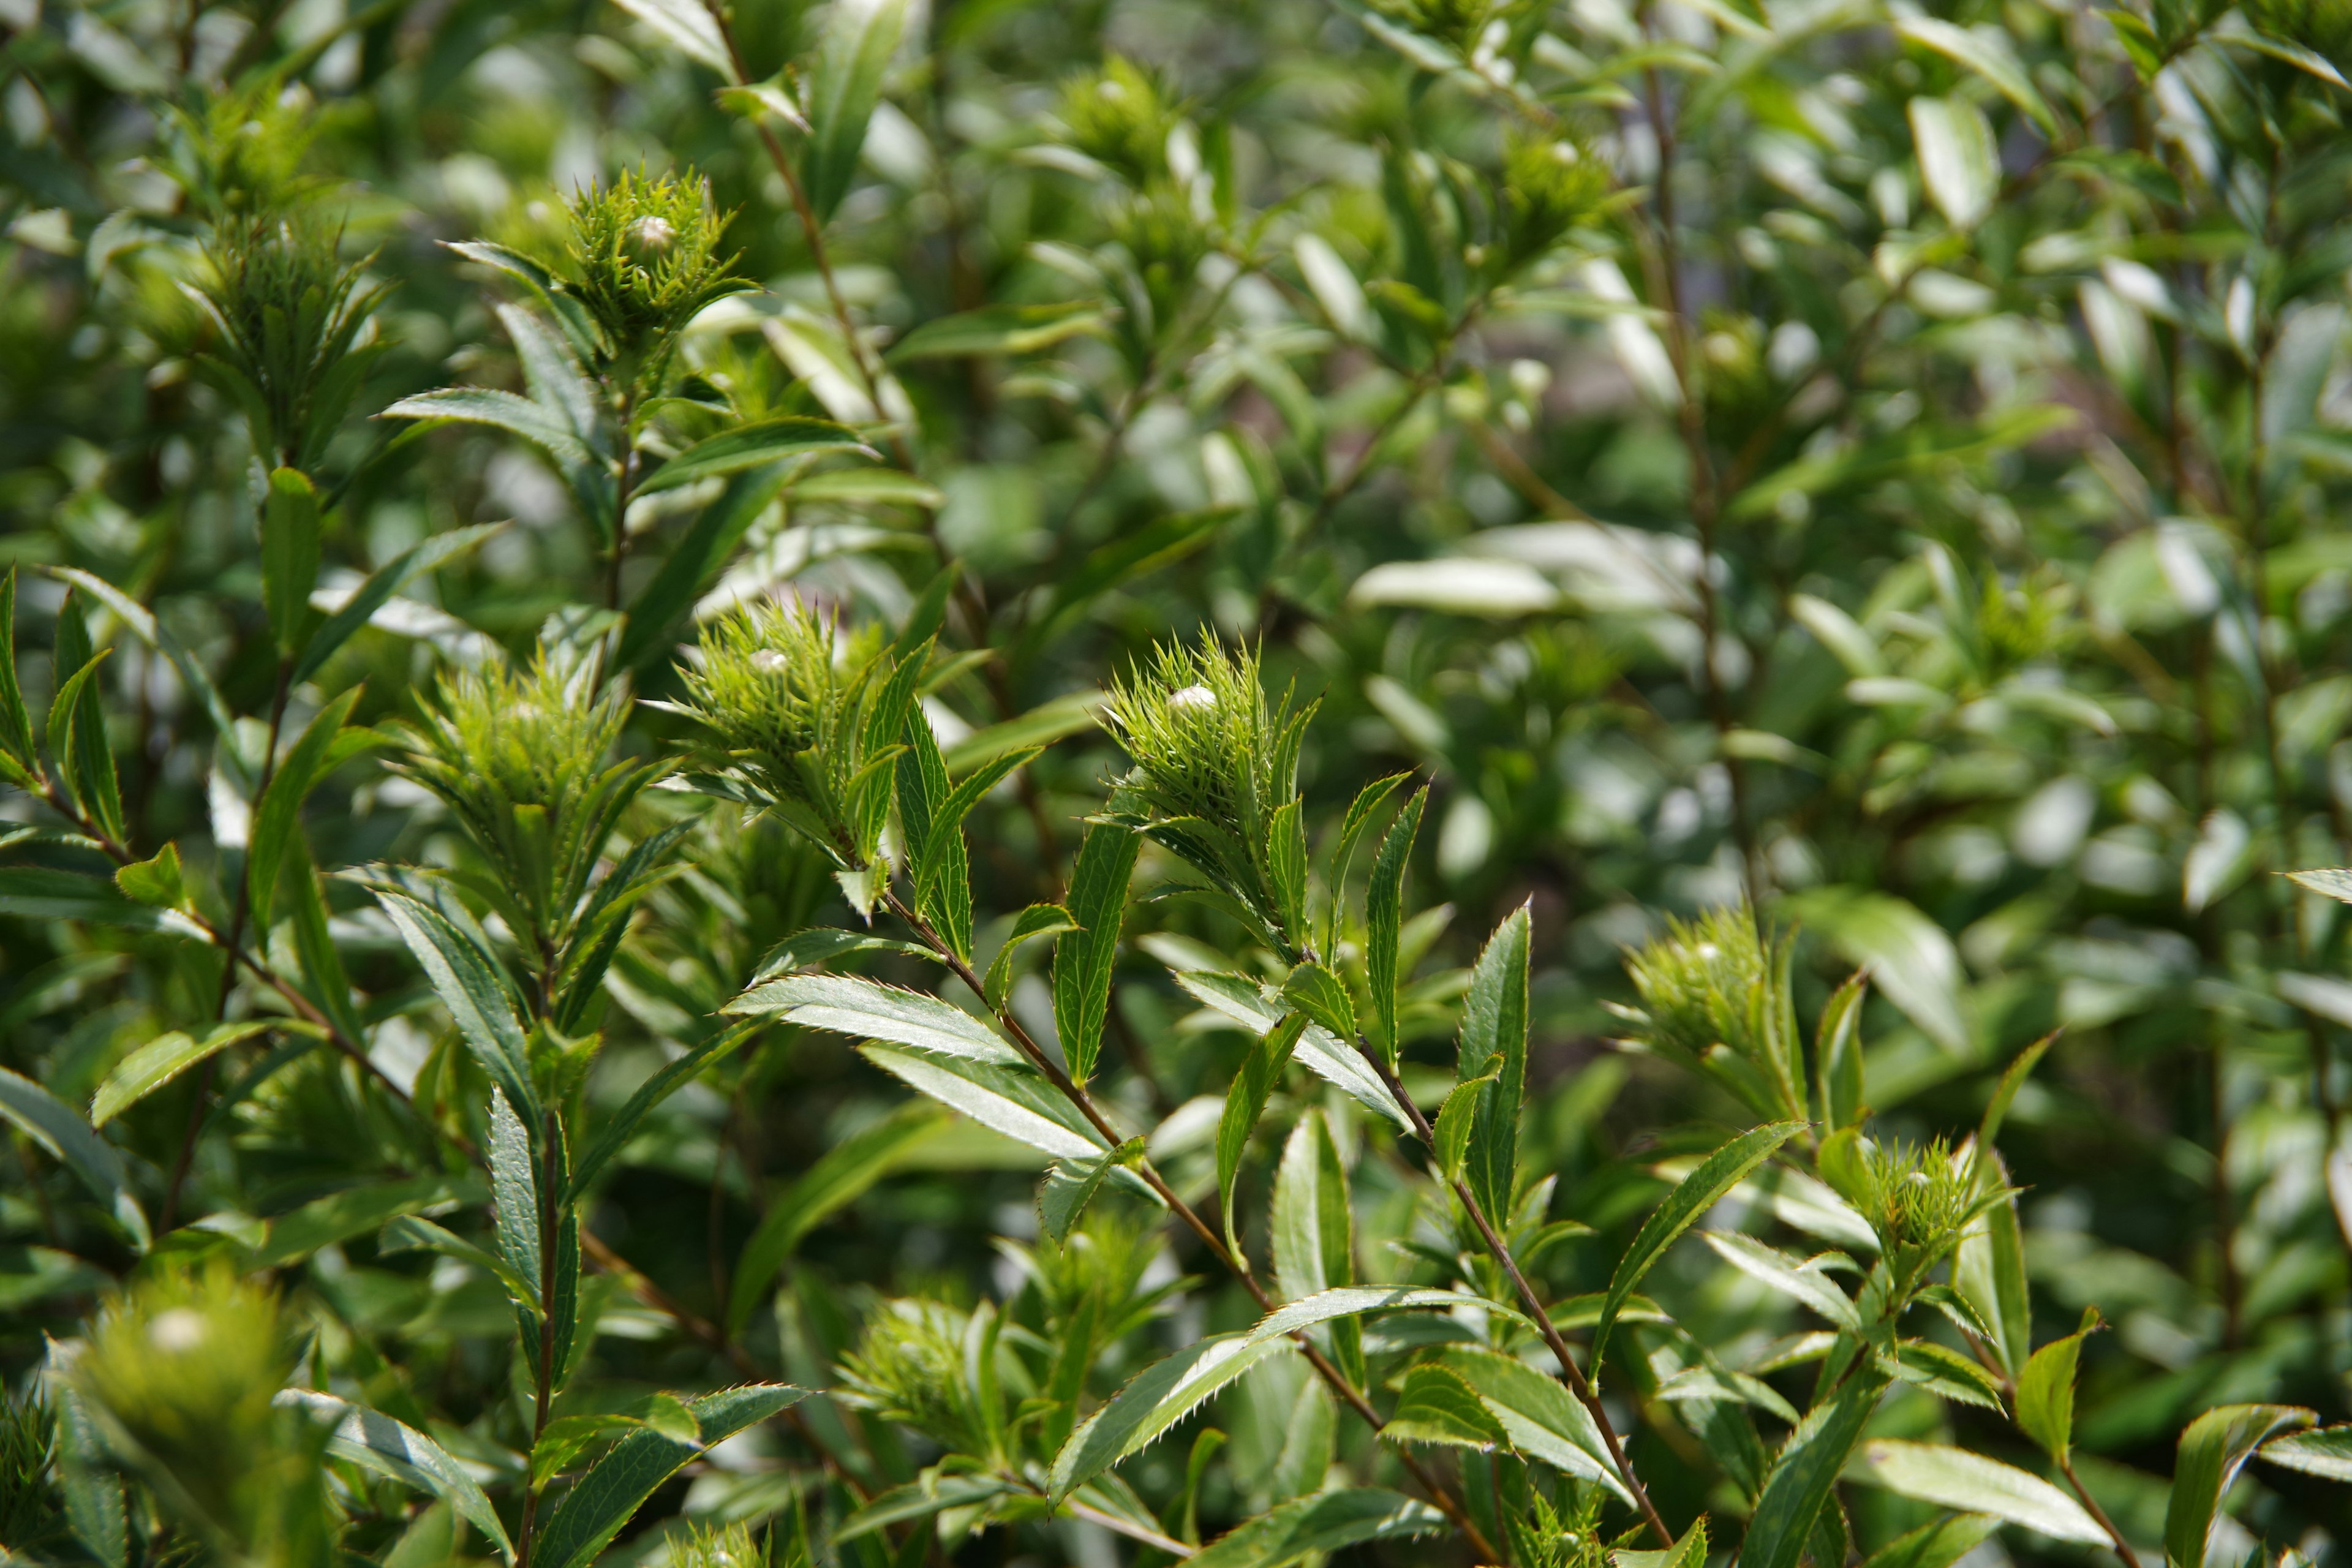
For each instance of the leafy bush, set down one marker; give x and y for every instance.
(866, 784)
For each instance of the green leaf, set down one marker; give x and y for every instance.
(289, 557)
(1944, 1372)
(76, 736)
(1436, 1406)
(1323, 997)
(1245, 1103)
(1352, 828)
(1041, 726)
(1314, 1228)
(353, 1211)
(85, 1475)
(1383, 919)
(1988, 1272)
(163, 1059)
(475, 993)
(544, 427)
(1909, 956)
(319, 748)
(1986, 51)
(1330, 1059)
(838, 1177)
(1953, 1477)
(409, 1233)
(1937, 1545)
(144, 626)
(378, 589)
(673, 1077)
(1802, 1474)
(1837, 1057)
(2334, 884)
(993, 331)
(750, 446)
(867, 1009)
(942, 867)
(1038, 920)
(687, 26)
(1495, 1044)
(1131, 554)
(610, 1494)
(843, 90)
(1804, 1280)
(15, 720)
(1320, 1524)
(51, 1122)
(41, 893)
(2293, 54)
(1699, 1191)
(1456, 1120)
(1154, 1400)
(376, 1442)
(1084, 959)
(2327, 1451)
(560, 1441)
(1017, 1103)
(1959, 163)
(1357, 1301)
(1540, 1418)
(2216, 1446)
(1072, 1185)
(932, 1492)
(514, 1194)
(2012, 1078)
(157, 881)
(2045, 1391)
(657, 611)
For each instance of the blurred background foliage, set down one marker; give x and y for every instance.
(1882, 460)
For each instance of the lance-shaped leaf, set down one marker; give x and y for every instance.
(514, 1194)
(610, 1494)
(354, 612)
(546, 429)
(323, 745)
(1072, 1185)
(751, 445)
(996, 330)
(355, 1211)
(289, 556)
(1384, 920)
(410, 1233)
(843, 90)
(1015, 1102)
(1988, 1271)
(1699, 1192)
(51, 1122)
(475, 993)
(144, 626)
(15, 720)
(1539, 1417)
(1323, 997)
(1244, 1103)
(1084, 958)
(1036, 920)
(1937, 1545)
(2327, 1451)
(1953, 1477)
(1837, 1057)
(376, 1442)
(165, 1058)
(1435, 1405)
(1356, 1301)
(1314, 1228)
(1320, 1524)
(1802, 1279)
(2045, 1391)
(2213, 1449)
(673, 1077)
(836, 1180)
(1328, 1058)
(1494, 1043)
(867, 1009)
(1154, 1400)
(1802, 1474)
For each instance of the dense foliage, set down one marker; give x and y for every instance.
(1499, 782)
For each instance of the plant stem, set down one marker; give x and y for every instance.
(1076, 1095)
(2123, 1547)
(1570, 1373)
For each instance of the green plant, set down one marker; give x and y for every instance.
(1465, 783)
